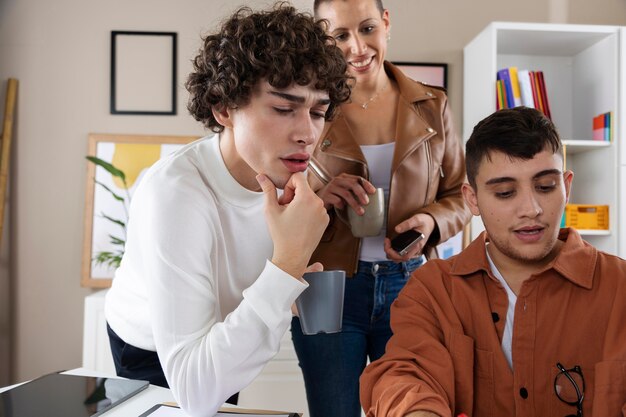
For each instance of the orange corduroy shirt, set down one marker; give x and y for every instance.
(446, 357)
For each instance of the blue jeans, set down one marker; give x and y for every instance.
(332, 363)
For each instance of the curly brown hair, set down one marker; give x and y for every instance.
(281, 46)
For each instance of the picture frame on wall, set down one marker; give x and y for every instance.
(143, 73)
(431, 73)
(107, 196)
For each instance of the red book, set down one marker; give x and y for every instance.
(598, 127)
(498, 95)
(544, 95)
(533, 88)
(537, 88)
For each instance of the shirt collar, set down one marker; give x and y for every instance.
(576, 261)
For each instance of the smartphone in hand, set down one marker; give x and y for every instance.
(404, 242)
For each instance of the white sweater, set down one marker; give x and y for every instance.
(195, 283)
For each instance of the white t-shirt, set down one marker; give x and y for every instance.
(379, 158)
(195, 283)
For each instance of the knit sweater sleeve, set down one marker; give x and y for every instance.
(206, 366)
(206, 358)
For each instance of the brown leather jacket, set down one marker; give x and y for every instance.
(428, 169)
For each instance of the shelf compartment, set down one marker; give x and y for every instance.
(574, 146)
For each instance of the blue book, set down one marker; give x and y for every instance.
(504, 75)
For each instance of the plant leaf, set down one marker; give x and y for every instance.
(110, 259)
(115, 196)
(109, 167)
(117, 241)
(116, 221)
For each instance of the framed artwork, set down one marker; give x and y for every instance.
(426, 72)
(108, 196)
(143, 73)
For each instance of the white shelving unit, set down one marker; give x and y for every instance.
(575, 146)
(581, 70)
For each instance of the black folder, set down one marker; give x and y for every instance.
(62, 395)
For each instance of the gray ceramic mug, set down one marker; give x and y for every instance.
(370, 223)
(320, 306)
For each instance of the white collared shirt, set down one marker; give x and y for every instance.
(507, 337)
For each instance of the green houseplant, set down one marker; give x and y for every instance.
(113, 258)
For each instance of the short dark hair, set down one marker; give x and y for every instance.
(317, 3)
(280, 45)
(519, 133)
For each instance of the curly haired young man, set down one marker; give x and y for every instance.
(214, 258)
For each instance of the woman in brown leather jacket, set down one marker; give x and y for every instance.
(395, 134)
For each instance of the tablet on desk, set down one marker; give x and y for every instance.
(61, 395)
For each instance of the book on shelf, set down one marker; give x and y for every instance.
(505, 96)
(535, 87)
(500, 95)
(505, 76)
(598, 128)
(544, 95)
(521, 87)
(602, 127)
(517, 98)
(526, 90)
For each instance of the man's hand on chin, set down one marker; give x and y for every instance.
(296, 222)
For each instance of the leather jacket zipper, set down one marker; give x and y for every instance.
(429, 161)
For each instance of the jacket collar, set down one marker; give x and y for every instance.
(409, 123)
(411, 128)
(576, 261)
(410, 90)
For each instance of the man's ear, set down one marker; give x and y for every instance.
(469, 195)
(223, 115)
(568, 176)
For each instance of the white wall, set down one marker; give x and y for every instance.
(59, 51)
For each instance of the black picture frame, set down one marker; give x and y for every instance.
(158, 79)
(433, 73)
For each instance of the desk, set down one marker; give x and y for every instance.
(135, 405)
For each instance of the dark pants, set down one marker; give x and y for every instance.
(332, 363)
(134, 363)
